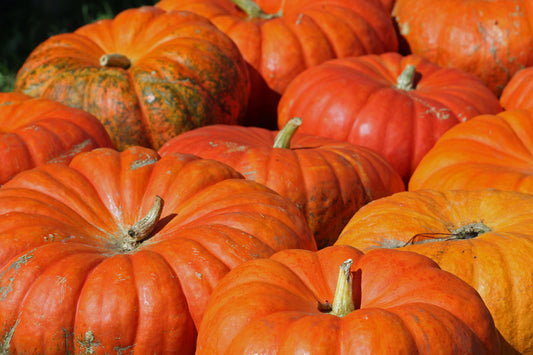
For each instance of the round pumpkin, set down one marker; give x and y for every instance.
(518, 93)
(488, 151)
(37, 131)
(483, 236)
(146, 74)
(397, 105)
(121, 250)
(341, 301)
(327, 179)
(490, 39)
(279, 39)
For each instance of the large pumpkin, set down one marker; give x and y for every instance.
(122, 250)
(488, 151)
(518, 93)
(490, 39)
(327, 179)
(36, 131)
(146, 74)
(279, 39)
(397, 105)
(382, 302)
(484, 237)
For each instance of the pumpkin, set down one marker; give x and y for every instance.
(341, 301)
(488, 151)
(327, 179)
(397, 105)
(482, 236)
(146, 74)
(490, 39)
(279, 39)
(518, 91)
(121, 250)
(37, 131)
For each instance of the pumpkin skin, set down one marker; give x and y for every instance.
(404, 304)
(366, 101)
(490, 39)
(488, 151)
(183, 73)
(64, 245)
(517, 94)
(492, 254)
(37, 131)
(327, 179)
(308, 32)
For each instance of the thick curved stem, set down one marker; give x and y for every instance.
(115, 60)
(343, 299)
(254, 11)
(406, 79)
(284, 136)
(141, 230)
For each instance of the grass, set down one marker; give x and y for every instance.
(26, 23)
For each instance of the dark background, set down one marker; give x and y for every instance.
(26, 23)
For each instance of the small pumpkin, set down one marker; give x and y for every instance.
(482, 236)
(490, 39)
(279, 39)
(327, 179)
(397, 105)
(488, 151)
(146, 74)
(341, 301)
(518, 92)
(121, 250)
(37, 131)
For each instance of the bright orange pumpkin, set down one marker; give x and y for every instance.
(488, 151)
(490, 39)
(382, 302)
(482, 236)
(36, 131)
(146, 74)
(327, 179)
(121, 250)
(518, 92)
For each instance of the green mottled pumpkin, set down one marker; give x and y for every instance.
(146, 74)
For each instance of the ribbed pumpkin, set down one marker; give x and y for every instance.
(146, 74)
(279, 39)
(488, 151)
(482, 236)
(397, 105)
(382, 302)
(121, 251)
(36, 131)
(490, 39)
(327, 179)
(518, 93)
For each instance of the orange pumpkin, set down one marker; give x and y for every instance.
(382, 302)
(482, 236)
(518, 93)
(488, 151)
(37, 131)
(327, 179)
(121, 250)
(490, 39)
(146, 74)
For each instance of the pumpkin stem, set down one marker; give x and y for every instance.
(343, 299)
(141, 230)
(284, 136)
(254, 11)
(115, 60)
(406, 79)
(469, 231)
